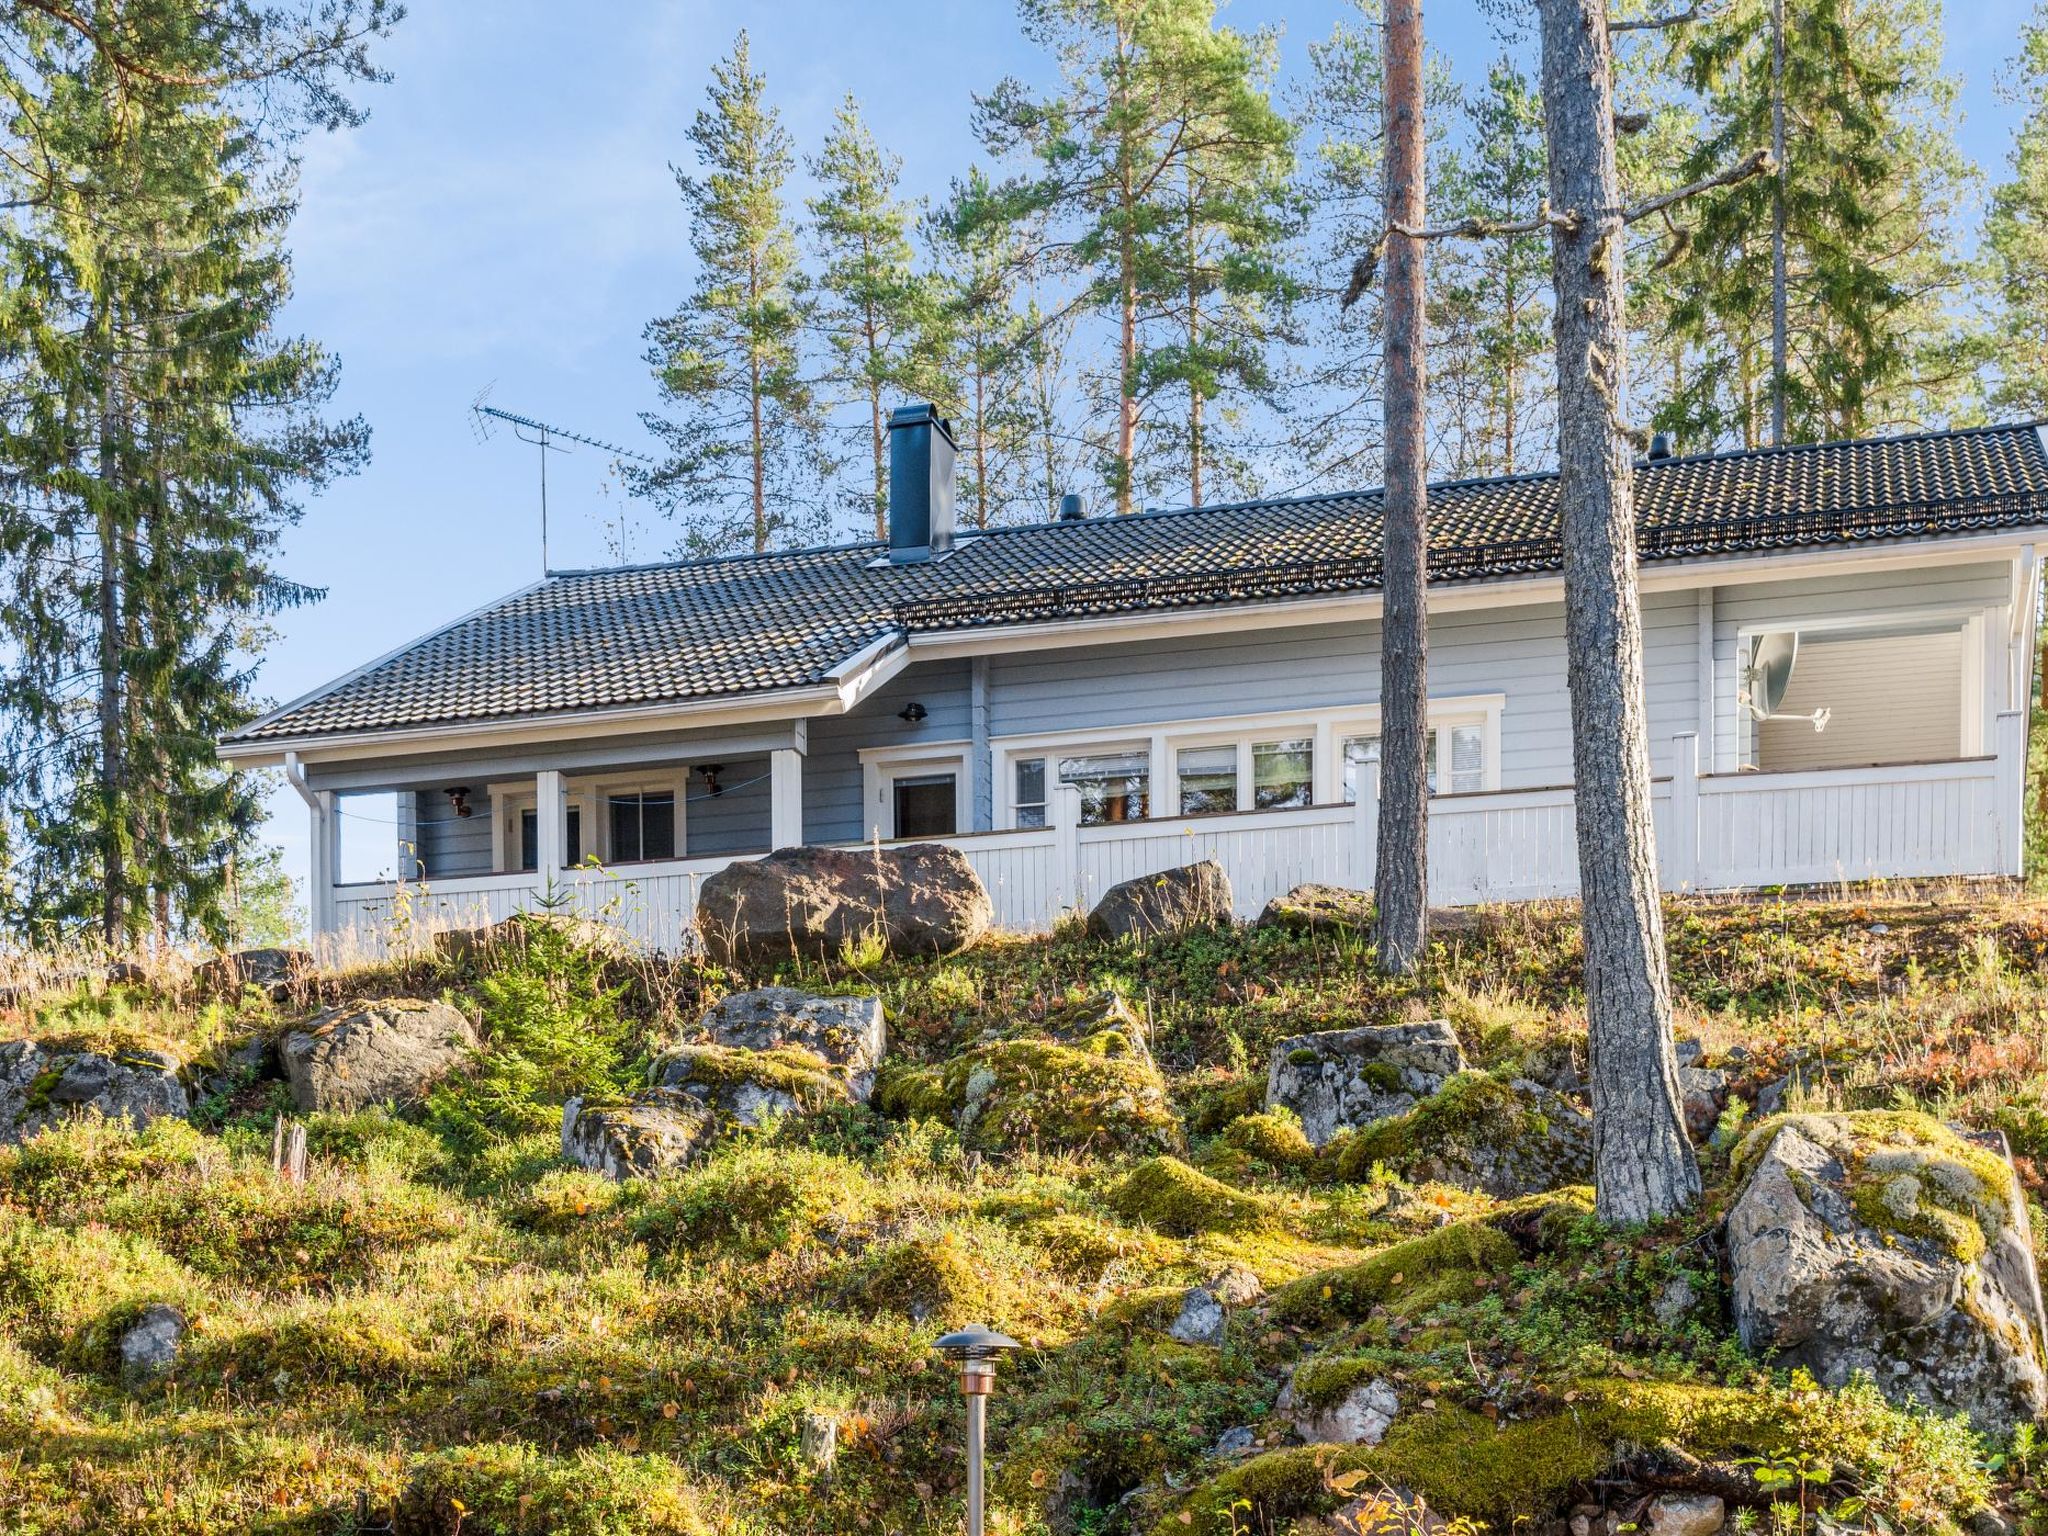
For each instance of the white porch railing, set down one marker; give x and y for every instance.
(1714, 832)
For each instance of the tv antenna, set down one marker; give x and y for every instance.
(545, 436)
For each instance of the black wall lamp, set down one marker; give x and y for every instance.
(711, 771)
(913, 712)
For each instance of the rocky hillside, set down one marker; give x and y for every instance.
(529, 1234)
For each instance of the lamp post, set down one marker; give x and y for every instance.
(976, 1348)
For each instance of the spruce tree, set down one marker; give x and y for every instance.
(745, 451)
(2016, 241)
(1864, 205)
(159, 435)
(874, 307)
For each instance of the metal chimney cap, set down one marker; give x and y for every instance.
(974, 1342)
(1661, 446)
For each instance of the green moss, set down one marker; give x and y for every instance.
(1167, 1195)
(753, 1200)
(1471, 1110)
(1212, 1105)
(1439, 1267)
(1078, 1247)
(1149, 1307)
(928, 1279)
(514, 1489)
(1906, 1174)
(1322, 1380)
(1273, 1136)
(788, 1069)
(1095, 1093)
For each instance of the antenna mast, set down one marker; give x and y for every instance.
(548, 438)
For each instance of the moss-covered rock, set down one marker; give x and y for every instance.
(1273, 1136)
(928, 1279)
(1444, 1266)
(1504, 1139)
(1097, 1093)
(1885, 1243)
(1340, 1079)
(1320, 909)
(746, 1087)
(1165, 1194)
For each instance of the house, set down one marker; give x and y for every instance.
(1077, 702)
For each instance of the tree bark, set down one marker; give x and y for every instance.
(1643, 1164)
(1779, 361)
(1402, 889)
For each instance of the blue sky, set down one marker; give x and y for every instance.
(508, 218)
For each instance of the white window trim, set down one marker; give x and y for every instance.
(1163, 742)
(881, 767)
(509, 800)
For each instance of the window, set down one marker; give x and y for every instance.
(925, 804)
(1208, 780)
(1455, 755)
(1030, 801)
(529, 838)
(1115, 786)
(643, 826)
(1283, 774)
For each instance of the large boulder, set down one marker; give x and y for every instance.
(652, 1132)
(270, 969)
(1320, 909)
(745, 1087)
(1476, 1132)
(846, 1033)
(1172, 901)
(1344, 1078)
(150, 1346)
(41, 1086)
(918, 898)
(1336, 1402)
(390, 1051)
(1883, 1242)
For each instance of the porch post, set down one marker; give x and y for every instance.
(2010, 738)
(551, 827)
(785, 798)
(1066, 850)
(1365, 828)
(980, 762)
(325, 862)
(1680, 852)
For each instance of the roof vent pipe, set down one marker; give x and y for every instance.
(920, 484)
(1070, 508)
(1660, 446)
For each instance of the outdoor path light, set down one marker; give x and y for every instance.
(976, 1348)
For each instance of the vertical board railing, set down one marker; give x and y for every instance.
(1714, 832)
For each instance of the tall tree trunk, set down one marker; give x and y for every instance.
(880, 446)
(1642, 1162)
(1194, 351)
(980, 443)
(1402, 883)
(759, 447)
(1778, 342)
(113, 766)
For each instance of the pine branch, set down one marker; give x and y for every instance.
(1697, 12)
(1757, 162)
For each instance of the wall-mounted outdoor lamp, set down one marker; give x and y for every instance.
(976, 1348)
(711, 771)
(458, 801)
(912, 712)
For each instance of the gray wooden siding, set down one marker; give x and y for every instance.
(832, 772)
(1891, 699)
(735, 821)
(448, 845)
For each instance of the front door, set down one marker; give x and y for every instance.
(926, 805)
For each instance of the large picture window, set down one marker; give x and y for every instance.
(1208, 780)
(1283, 774)
(1453, 755)
(1115, 786)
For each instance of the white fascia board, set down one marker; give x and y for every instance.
(1665, 576)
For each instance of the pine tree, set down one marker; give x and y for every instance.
(2016, 241)
(745, 451)
(1226, 285)
(1864, 206)
(875, 307)
(157, 439)
(1114, 150)
(977, 350)
(1492, 301)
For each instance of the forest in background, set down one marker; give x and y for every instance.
(1141, 284)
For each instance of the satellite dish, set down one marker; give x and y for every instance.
(1769, 673)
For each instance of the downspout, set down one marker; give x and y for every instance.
(320, 860)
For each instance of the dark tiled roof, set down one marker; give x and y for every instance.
(658, 634)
